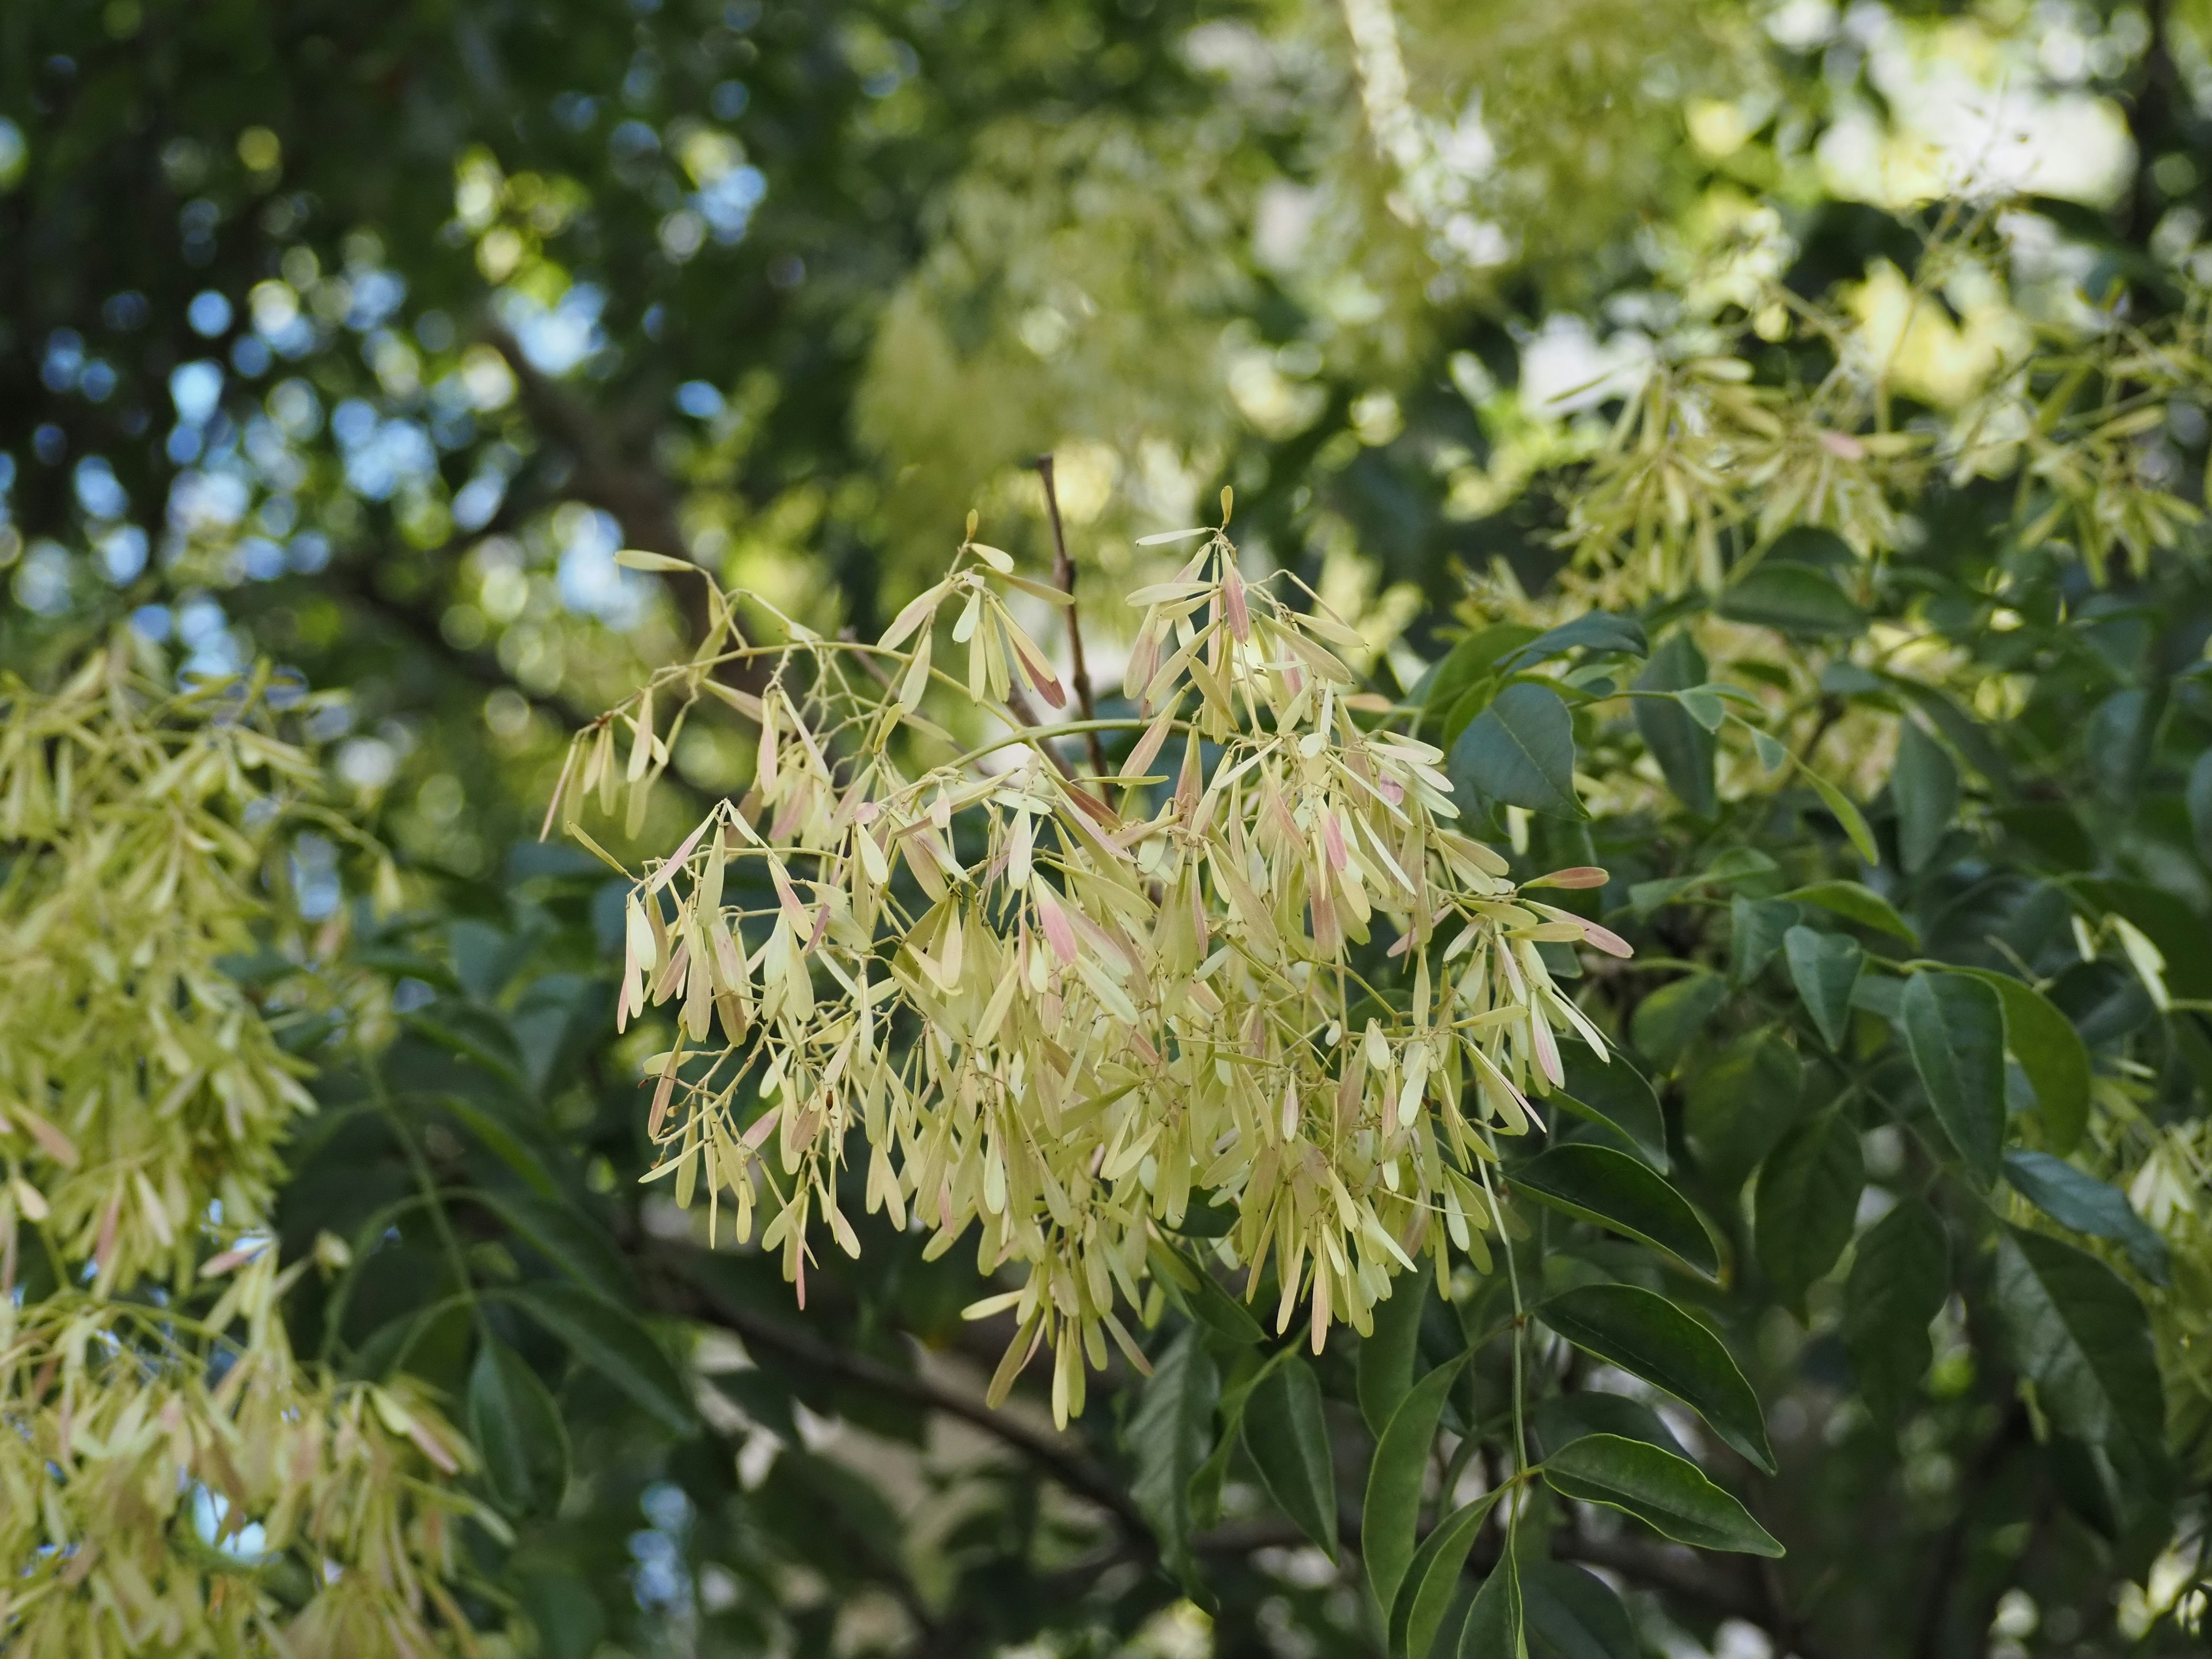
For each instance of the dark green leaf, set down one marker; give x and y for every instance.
(1855, 902)
(1794, 598)
(2123, 732)
(1954, 1027)
(1594, 630)
(1392, 1511)
(1742, 1102)
(1168, 1435)
(1900, 1275)
(1808, 1196)
(517, 1427)
(1824, 967)
(1846, 812)
(1465, 667)
(1496, 1626)
(2080, 1201)
(2080, 1334)
(1614, 1093)
(1756, 927)
(1574, 1615)
(1924, 785)
(1668, 1021)
(1565, 1417)
(570, 1621)
(1387, 1357)
(1684, 750)
(1433, 1579)
(1670, 1493)
(2199, 798)
(616, 1345)
(1519, 751)
(2051, 1052)
(1597, 1183)
(1199, 1294)
(1648, 1336)
(567, 1237)
(1287, 1437)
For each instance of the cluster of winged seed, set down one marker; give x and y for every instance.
(1256, 970)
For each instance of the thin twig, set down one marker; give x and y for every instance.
(1063, 574)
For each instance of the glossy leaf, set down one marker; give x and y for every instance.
(1615, 1093)
(1389, 1354)
(1648, 1336)
(2077, 1331)
(567, 1238)
(1574, 1615)
(2076, 1200)
(1431, 1582)
(1742, 1102)
(1496, 1624)
(2051, 1052)
(1756, 930)
(1287, 1434)
(516, 1428)
(1668, 1020)
(1899, 1277)
(1565, 1417)
(1808, 1198)
(1824, 969)
(1595, 1183)
(1669, 1493)
(1390, 1515)
(1794, 598)
(1954, 1027)
(1519, 751)
(1855, 902)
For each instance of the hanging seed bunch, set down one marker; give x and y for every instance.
(1256, 967)
(146, 831)
(147, 1506)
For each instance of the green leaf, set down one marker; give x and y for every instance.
(1574, 1615)
(1168, 1435)
(1669, 1493)
(614, 1344)
(1824, 967)
(1742, 1102)
(1648, 1336)
(1614, 1093)
(1392, 1511)
(2051, 1052)
(567, 1237)
(1955, 1026)
(1287, 1437)
(1496, 1624)
(1684, 750)
(1469, 663)
(1199, 1293)
(1594, 630)
(1756, 930)
(1793, 600)
(2080, 1334)
(503, 1143)
(1247, 1372)
(570, 1620)
(1845, 812)
(1901, 1276)
(1597, 1183)
(1668, 1021)
(2074, 1199)
(1855, 902)
(1924, 785)
(1387, 1357)
(1519, 751)
(1565, 1417)
(517, 1427)
(1432, 1580)
(1808, 1198)
(2198, 796)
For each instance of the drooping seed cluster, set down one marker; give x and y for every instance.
(1257, 968)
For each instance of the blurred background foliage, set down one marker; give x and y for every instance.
(357, 340)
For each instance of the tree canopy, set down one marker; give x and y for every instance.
(1105, 827)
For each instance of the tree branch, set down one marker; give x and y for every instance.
(1072, 1471)
(1063, 574)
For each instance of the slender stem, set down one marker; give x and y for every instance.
(1063, 572)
